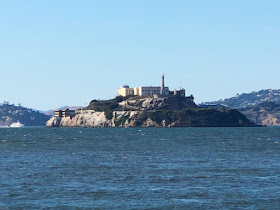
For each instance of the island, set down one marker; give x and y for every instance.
(149, 106)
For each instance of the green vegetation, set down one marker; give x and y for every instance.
(107, 106)
(100, 105)
(139, 103)
(198, 117)
(108, 114)
(121, 121)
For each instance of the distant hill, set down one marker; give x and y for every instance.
(262, 107)
(51, 112)
(11, 113)
(250, 99)
(266, 113)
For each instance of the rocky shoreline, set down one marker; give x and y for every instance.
(149, 119)
(150, 112)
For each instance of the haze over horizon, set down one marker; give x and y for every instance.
(57, 53)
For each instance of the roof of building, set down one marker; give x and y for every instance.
(124, 86)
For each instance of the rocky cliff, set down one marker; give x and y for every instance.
(81, 119)
(151, 113)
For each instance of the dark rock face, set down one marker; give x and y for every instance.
(178, 103)
(196, 118)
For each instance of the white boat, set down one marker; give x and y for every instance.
(16, 125)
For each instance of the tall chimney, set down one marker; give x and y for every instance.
(162, 86)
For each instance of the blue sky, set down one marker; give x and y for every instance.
(56, 53)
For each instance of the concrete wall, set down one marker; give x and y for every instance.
(125, 92)
(142, 91)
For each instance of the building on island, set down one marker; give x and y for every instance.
(58, 113)
(64, 113)
(125, 90)
(181, 92)
(160, 91)
(150, 91)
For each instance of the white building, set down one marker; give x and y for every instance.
(149, 91)
(125, 90)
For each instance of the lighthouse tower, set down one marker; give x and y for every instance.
(162, 86)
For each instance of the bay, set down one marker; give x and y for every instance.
(139, 168)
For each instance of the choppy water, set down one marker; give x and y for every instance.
(164, 168)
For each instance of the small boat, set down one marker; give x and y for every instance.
(16, 125)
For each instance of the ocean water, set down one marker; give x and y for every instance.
(140, 168)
